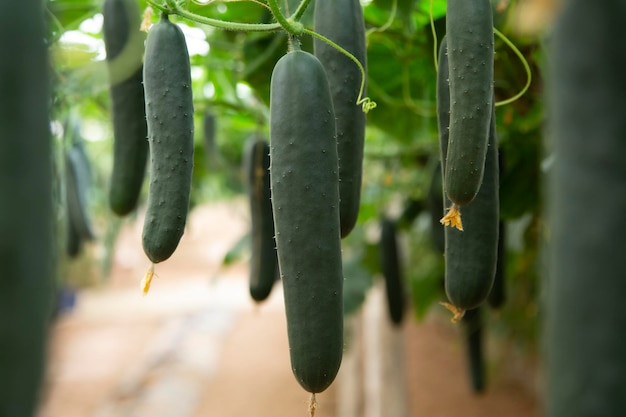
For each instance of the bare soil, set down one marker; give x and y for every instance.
(198, 346)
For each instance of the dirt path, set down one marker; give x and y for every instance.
(197, 346)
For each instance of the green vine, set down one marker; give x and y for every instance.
(174, 7)
(290, 25)
(300, 10)
(521, 57)
(387, 24)
(434, 31)
(365, 102)
(507, 41)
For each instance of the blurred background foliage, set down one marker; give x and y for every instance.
(231, 73)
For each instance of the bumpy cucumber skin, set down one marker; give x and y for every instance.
(27, 239)
(585, 338)
(130, 144)
(473, 331)
(342, 22)
(169, 111)
(471, 255)
(305, 197)
(392, 271)
(264, 259)
(469, 32)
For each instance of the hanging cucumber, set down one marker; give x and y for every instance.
(169, 111)
(471, 256)
(73, 240)
(77, 183)
(208, 135)
(412, 207)
(392, 271)
(342, 22)
(130, 145)
(27, 220)
(469, 33)
(436, 208)
(77, 179)
(584, 331)
(473, 325)
(305, 197)
(263, 260)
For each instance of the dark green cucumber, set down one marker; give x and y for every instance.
(27, 239)
(130, 144)
(436, 209)
(473, 326)
(169, 111)
(263, 260)
(73, 239)
(208, 136)
(469, 33)
(497, 295)
(342, 22)
(471, 255)
(412, 207)
(77, 183)
(392, 271)
(305, 197)
(585, 338)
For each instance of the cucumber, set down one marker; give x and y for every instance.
(73, 240)
(471, 255)
(208, 134)
(305, 197)
(412, 207)
(497, 295)
(584, 332)
(169, 111)
(473, 334)
(342, 22)
(27, 221)
(469, 33)
(130, 144)
(436, 209)
(392, 271)
(77, 183)
(263, 260)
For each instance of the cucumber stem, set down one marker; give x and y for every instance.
(290, 26)
(300, 10)
(176, 8)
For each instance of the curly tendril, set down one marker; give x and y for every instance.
(365, 102)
